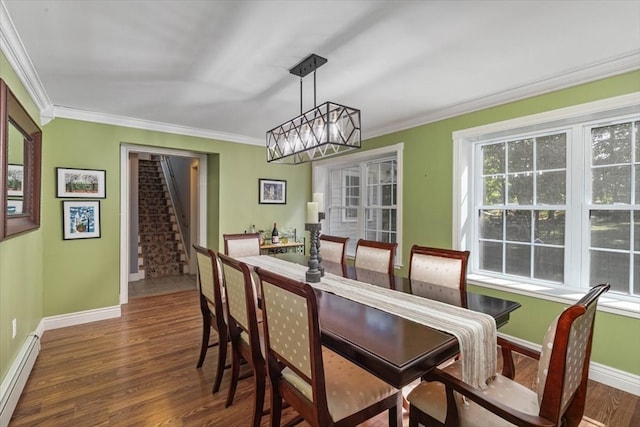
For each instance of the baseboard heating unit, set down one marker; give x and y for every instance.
(13, 383)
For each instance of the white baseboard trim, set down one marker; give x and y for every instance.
(80, 317)
(134, 277)
(597, 372)
(14, 381)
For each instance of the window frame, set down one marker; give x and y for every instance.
(321, 181)
(463, 201)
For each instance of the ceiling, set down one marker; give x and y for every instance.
(220, 69)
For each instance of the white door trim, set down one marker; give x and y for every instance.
(125, 150)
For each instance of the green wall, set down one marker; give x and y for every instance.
(42, 275)
(21, 275)
(84, 274)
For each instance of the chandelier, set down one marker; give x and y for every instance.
(325, 130)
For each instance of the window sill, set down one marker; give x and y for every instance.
(609, 303)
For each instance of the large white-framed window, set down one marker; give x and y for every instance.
(363, 196)
(552, 201)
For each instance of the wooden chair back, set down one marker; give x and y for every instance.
(563, 369)
(333, 249)
(212, 307)
(296, 362)
(241, 244)
(243, 330)
(375, 256)
(443, 267)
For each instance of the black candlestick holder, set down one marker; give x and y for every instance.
(321, 216)
(313, 273)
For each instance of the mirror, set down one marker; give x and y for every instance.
(20, 159)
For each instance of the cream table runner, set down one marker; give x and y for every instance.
(476, 332)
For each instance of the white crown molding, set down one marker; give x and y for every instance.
(89, 116)
(12, 47)
(607, 375)
(600, 70)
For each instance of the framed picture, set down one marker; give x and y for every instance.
(81, 219)
(272, 191)
(83, 183)
(14, 206)
(15, 180)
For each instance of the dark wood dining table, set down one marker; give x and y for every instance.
(393, 348)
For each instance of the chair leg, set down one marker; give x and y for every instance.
(259, 383)
(206, 333)
(276, 406)
(413, 417)
(235, 371)
(222, 360)
(395, 413)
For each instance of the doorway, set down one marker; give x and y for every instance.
(129, 205)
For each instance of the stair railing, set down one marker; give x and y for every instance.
(174, 195)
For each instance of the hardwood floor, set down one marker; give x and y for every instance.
(140, 369)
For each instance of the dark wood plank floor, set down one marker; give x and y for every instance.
(140, 370)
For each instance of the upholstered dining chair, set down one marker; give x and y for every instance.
(559, 399)
(246, 336)
(333, 249)
(441, 267)
(213, 309)
(241, 244)
(375, 257)
(323, 387)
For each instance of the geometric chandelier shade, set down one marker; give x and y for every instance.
(324, 131)
(321, 132)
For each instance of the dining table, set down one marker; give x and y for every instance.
(396, 349)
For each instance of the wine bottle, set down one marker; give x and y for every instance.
(275, 236)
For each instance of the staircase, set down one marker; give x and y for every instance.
(160, 248)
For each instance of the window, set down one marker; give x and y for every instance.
(363, 191)
(554, 198)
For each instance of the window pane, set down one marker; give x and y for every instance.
(521, 189)
(373, 195)
(387, 172)
(612, 268)
(519, 226)
(611, 185)
(518, 260)
(610, 229)
(636, 230)
(393, 220)
(492, 159)
(491, 224)
(520, 156)
(636, 275)
(493, 190)
(551, 188)
(549, 264)
(611, 144)
(490, 256)
(387, 195)
(551, 152)
(549, 227)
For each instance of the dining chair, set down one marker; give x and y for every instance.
(558, 400)
(333, 249)
(246, 337)
(241, 244)
(375, 257)
(323, 387)
(442, 267)
(213, 309)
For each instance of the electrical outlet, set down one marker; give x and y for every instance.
(14, 325)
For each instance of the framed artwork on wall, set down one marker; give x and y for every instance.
(81, 219)
(272, 191)
(15, 180)
(82, 183)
